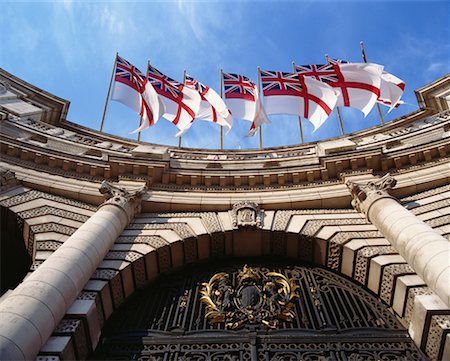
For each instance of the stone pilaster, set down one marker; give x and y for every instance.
(425, 250)
(31, 312)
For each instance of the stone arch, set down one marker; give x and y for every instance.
(160, 244)
(156, 243)
(349, 322)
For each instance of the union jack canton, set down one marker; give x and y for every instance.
(238, 87)
(290, 84)
(164, 85)
(325, 73)
(195, 84)
(170, 89)
(126, 73)
(281, 83)
(331, 74)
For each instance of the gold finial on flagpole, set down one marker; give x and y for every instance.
(109, 91)
(363, 50)
(299, 117)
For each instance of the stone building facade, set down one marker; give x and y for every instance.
(101, 217)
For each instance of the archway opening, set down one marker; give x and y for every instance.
(254, 309)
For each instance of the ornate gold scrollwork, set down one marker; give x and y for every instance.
(255, 297)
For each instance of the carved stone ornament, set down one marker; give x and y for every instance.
(130, 202)
(4, 86)
(246, 214)
(364, 194)
(7, 179)
(254, 298)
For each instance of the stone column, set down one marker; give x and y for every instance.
(34, 309)
(424, 249)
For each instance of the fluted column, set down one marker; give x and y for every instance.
(423, 248)
(32, 311)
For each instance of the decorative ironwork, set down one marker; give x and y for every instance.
(331, 319)
(256, 298)
(246, 214)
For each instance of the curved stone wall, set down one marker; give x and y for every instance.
(190, 212)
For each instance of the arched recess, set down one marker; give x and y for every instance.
(15, 261)
(329, 318)
(157, 244)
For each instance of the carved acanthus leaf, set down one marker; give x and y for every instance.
(373, 189)
(129, 201)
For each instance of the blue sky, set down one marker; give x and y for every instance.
(68, 48)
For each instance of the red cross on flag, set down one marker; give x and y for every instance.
(182, 103)
(132, 89)
(292, 93)
(391, 90)
(242, 98)
(212, 107)
(359, 83)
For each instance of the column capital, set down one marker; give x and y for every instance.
(128, 201)
(364, 194)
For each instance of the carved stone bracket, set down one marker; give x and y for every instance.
(130, 202)
(4, 86)
(246, 214)
(364, 194)
(7, 179)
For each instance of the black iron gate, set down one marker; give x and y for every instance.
(258, 313)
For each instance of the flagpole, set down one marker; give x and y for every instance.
(299, 117)
(341, 125)
(109, 91)
(184, 82)
(140, 118)
(139, 133)
(221, 96)
(363, 50)
(260, 127)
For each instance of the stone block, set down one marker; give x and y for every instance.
(87, 309)
(247, 243)
(424, 307)
(151, 265)
(61, 346)
(401, 291)
(376, 269)
(105, 295)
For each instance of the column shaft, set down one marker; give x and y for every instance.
(425, 250)
(34, 309)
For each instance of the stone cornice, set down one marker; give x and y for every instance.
(38, 97)
(304, 196)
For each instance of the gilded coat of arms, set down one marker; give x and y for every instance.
(255, 297)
